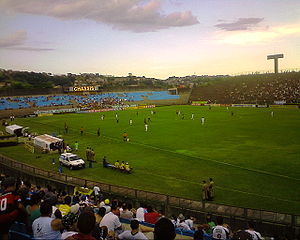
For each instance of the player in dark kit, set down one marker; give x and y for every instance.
(10, 206)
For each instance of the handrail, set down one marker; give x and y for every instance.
(179, 202)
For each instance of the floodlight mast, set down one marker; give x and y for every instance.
(275, 57)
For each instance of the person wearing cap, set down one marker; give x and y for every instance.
(106, 205)
(12, 209)
(69, 222)
(134, 233)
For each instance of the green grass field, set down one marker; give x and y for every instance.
(253, 158)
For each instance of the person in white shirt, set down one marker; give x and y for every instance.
(134, 233)
(255, 235)
(189, 221)
(111, 220)
(146, 127)
(96, 192)
(202, 120)
(182, 225)
(140, 213)
(46, 227)
(220, 232)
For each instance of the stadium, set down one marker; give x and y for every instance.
(88, 152)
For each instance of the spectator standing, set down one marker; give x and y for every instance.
(96, 191)
(46, 227)
(134, 233)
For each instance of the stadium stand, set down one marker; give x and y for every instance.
(88, 100)
(21, 227)
(258, 89)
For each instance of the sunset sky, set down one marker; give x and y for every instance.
(152, 38)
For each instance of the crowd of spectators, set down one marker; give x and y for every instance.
(46, 213)
(256, 89)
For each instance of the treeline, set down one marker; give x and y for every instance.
(30, 80)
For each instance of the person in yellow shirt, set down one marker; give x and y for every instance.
(127, 167)
(205, 187)
(117, 164)
(66, 207)
(122, 166)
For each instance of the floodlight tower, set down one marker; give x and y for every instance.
(275, 57)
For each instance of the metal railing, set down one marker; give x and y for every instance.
(167, 200)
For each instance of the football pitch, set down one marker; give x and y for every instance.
(253, 157)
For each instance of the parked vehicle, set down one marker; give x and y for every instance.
(71, 160)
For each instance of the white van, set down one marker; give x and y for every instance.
(71, 160)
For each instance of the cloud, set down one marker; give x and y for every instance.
(15, 39)
(129, 15)
(31, 49)
(240, 24)
(260, 36)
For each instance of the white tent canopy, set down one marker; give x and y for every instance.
(14, 129)
(47, 142)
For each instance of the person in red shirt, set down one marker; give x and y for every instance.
(10, 206)
(151, 216)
